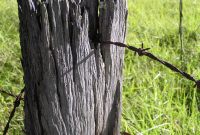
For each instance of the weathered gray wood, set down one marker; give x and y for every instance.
(72, 85)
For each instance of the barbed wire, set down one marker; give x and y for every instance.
(144, 52)
(16, 104)
(140, 51)
(9, 94)
(18, 98)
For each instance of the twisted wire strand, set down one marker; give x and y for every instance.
(144, 52)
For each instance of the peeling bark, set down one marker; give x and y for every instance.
(72, 84)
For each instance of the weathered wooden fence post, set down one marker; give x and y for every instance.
(72, 84)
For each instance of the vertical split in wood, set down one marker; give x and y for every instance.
(72, 85)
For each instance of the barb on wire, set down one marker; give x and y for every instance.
(144, 52)
(16, 104)
(9, 94)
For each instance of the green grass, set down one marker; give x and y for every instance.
(10, 66)
(153, 101)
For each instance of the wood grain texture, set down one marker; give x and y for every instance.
(72, 84)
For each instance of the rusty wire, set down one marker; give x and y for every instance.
(144, 52)
(140, 51)
(9, 94)
(16, 104)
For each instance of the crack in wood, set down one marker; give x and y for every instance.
(66, 43)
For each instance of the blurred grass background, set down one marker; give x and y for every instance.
(11, 74)
(155, 100)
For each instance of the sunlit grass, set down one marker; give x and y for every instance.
(153, 100)
(10, 66)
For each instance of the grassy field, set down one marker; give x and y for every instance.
(10, 68)
(155, 100)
